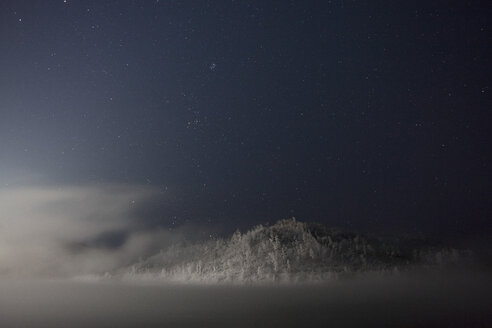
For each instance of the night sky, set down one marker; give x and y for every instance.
(370, 115)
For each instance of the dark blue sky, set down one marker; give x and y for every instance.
(365, 114)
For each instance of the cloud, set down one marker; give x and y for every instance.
(66, 231)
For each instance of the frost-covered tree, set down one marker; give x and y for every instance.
(286, 251)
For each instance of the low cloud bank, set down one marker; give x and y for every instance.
(67, 231)
(88, 231)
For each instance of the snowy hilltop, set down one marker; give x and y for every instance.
(286, 251)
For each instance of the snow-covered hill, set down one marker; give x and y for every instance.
(287, 251)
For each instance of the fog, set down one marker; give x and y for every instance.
(57, 243)
(410, 300)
